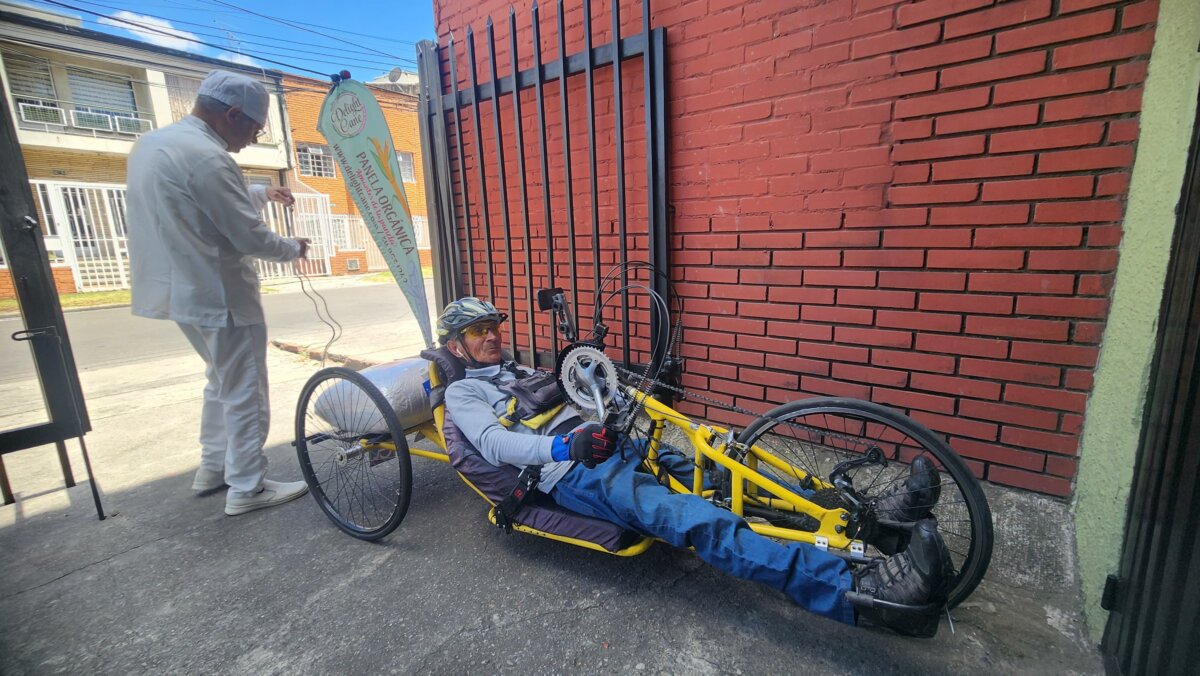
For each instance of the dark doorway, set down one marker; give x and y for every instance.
(1155, 600)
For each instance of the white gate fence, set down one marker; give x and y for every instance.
(84, 227)
(350, 233)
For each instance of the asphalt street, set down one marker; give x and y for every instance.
(109, 337)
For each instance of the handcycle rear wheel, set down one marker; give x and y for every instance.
(815, 435)
(345, 431)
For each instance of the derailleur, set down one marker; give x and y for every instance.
(845, 484)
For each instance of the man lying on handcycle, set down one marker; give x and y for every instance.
(579, 470)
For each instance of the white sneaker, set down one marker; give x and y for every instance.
(208, 480)
(272, 493)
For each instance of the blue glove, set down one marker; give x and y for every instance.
(561, 449)
(591, 445)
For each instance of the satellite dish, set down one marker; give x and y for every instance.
(395, 74)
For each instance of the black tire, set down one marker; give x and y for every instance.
(816, 434)
(365, 493)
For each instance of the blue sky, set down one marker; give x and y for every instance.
(366, 37)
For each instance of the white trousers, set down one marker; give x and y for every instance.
(236, 414)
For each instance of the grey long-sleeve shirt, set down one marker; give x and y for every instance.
(476, 405)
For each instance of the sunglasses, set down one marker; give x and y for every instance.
(481, 329)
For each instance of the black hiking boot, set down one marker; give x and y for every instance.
(914, 499)
(918, 576)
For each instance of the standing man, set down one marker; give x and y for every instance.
(193, 229)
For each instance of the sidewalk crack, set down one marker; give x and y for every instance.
(83, 567)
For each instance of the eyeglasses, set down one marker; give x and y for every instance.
(481, 329)
(260, 131)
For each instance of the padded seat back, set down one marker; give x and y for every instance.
(496, 483)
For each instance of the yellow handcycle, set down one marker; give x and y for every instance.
(812, 470)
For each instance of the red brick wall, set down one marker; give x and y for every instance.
(917, 203)
(338, 263)
(64, 281)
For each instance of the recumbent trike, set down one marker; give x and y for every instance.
(810, 470)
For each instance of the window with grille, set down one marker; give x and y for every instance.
(315, 160)
(103, 102)
(181, 92)
(33, 91)
(408, 172)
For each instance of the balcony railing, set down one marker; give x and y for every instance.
(59, 116)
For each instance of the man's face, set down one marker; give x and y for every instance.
(482, 342)
(240, 129)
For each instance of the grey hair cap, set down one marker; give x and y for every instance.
(237, 91)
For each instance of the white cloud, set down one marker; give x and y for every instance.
(163, 33)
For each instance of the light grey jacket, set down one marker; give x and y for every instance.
(475, 405)
(194, 229)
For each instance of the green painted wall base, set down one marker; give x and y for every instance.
(1114, 414)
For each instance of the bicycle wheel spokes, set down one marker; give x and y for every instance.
(353, 453)
(816, 436)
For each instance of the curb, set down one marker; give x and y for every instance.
(65, 310)
(317, 354)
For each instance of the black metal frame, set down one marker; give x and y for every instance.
(1155, 600)
(448, 182)
(46, 329)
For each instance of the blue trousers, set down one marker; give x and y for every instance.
(615, 491)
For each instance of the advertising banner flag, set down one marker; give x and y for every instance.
(353, 124)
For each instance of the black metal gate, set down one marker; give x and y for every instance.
(44, 328)
(467, 175)
(1155, 601)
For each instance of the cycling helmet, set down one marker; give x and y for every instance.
(464, 312)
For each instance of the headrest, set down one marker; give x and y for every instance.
(451, 367)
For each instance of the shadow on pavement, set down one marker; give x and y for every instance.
(170, 584)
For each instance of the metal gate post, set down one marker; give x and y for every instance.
(59, 208)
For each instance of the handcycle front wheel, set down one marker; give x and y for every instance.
(817, 435)
(353, 453)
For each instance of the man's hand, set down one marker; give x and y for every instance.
(283, 196)
(593, 444)
(304, 242)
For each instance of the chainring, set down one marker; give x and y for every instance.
(579, 366)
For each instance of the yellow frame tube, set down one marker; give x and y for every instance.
(699, 436)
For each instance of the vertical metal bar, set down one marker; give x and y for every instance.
(436, 162)
(541, 120)
(648, 89)
(500, 177)
(659, 250)
(570, 188)
(65, 462)
(519, 138)
(483, 198)
(619, 131)
(6, 494)
(591, 118)
(67, 229)
(440, 164)
(462, 170)
(113, 236)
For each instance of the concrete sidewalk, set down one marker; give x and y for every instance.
(168, 584)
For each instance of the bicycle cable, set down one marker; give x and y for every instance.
(335, 327)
